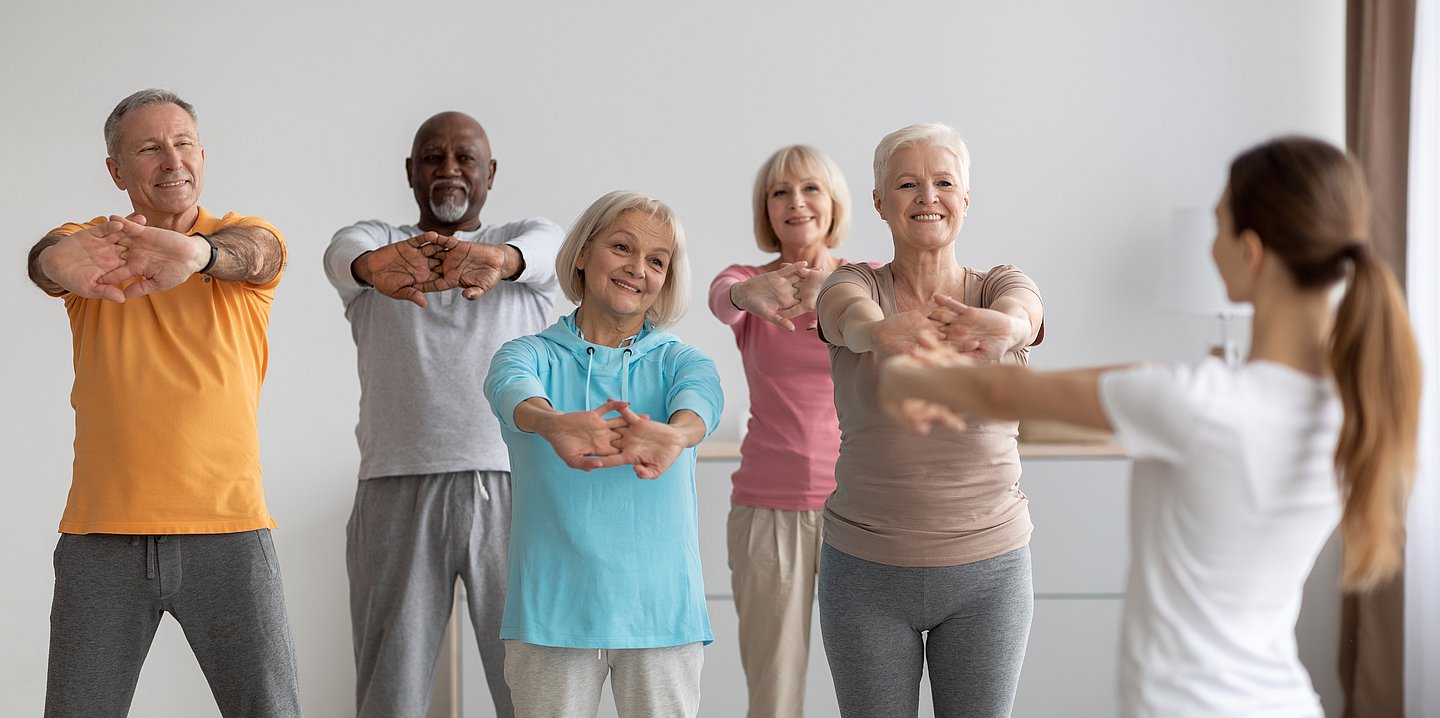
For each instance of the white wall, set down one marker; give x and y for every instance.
(1088, 122)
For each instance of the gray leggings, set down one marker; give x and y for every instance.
(883, 624)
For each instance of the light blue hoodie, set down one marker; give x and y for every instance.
(602, 559)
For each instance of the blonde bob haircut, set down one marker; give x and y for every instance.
(930, 134)
(806, 162)
(674, 297)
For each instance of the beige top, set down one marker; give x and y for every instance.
(908, 500)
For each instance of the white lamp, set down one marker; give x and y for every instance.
(1190, 283)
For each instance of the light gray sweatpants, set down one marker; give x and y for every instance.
(223, 589)
(408, 540)
(883, 625)
(550, 682)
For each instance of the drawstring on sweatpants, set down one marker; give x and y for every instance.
(480, 486)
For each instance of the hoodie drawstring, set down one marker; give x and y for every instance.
(589, 362)
(625, 375)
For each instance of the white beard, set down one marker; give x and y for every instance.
(450, 210)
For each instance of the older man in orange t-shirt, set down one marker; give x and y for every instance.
(169, 308)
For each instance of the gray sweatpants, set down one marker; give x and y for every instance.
(223, 589)
(882, 625)
(408, 539)
(550, 682)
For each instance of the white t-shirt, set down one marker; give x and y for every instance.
(1233, 496)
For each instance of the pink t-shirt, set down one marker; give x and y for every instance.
(902, 499)
(787, 460)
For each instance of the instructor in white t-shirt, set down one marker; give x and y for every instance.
(1235, 485)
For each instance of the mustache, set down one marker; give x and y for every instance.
(448, 183)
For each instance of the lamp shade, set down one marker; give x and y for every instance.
(1189, 282)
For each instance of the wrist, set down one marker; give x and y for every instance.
(360, 269)
(205, 255)
(512, 262)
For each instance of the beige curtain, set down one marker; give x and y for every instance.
(1379, 44)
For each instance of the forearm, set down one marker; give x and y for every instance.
(690, 426)
(855, 326)
(1012, 392)
(250, 254)
(513, 263)
(534, 415)
(1026, 316)
(36, 268)
(722, 300)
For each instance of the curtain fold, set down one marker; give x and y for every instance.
(1379, 54)
(1422, 589)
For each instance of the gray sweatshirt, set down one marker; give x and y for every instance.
(422, 401)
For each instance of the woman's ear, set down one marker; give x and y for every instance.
(1252, 251)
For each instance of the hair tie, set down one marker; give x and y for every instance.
(1353, 250)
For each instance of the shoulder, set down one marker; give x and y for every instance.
(740, 271)
(514, 228)
(70, 228)
(375, 229)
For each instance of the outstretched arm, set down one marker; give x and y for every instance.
(75, 263)
(850, 318)
(995, 390)
(579, 438)
(161, 259)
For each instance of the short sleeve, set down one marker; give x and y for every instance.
(514, 376)
(1006, 278)
(859, 274)
(1155, 409)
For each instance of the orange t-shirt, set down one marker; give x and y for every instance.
(167, 388)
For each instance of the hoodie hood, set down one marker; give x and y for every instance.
(597, 360)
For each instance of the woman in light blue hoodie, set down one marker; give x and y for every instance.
(604, 549)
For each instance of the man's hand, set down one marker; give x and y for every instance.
(159, 258)
(475, 266)
(403, 270)
(648, 445)
(78, 262)
(579, 437)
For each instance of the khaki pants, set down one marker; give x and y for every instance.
(774, 559)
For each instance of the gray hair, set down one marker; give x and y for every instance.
(674, 297)
(140, 99)
(930, 134)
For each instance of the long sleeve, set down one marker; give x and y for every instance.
(347, 245)
(720, 304)
(538, 242)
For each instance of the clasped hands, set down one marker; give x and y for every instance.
(780, 295)
(432, 262)
(94, 262)
(943, 332)
(587, 440)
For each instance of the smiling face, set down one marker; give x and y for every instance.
(800, 211)
(625, 266)
(922, 199)
(161, 164)
(451, 172)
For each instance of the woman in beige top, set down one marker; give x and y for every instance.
(926, 558)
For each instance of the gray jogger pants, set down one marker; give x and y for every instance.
(883, 625)
(408, 539)
(223, 589)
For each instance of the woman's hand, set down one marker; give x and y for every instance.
(905, 379)
(974, 332)
(653, 446)
(583, 439)
(906, 332)
(778, 296)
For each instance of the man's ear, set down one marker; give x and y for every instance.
(408, 182)
(490, 180)
(114, 168)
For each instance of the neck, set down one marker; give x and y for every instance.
(438, 227)
(1293, 329)
(816, 256)
(181, 223)
(606, 329)
(920, 273)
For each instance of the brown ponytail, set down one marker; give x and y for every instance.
(1308, 203)
(1377, 370)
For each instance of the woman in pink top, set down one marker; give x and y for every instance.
(787, 461)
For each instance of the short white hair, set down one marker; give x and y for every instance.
(930, 134)
(674, 297)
